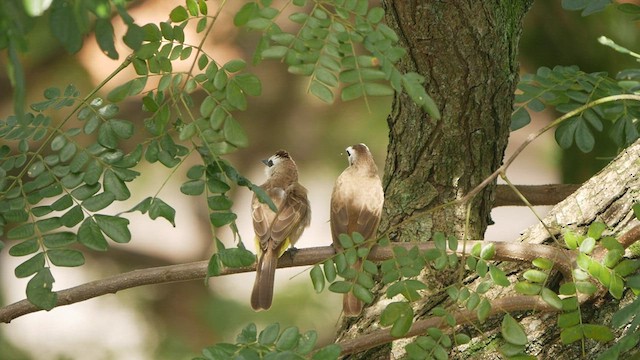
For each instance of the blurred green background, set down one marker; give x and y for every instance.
(175, 321)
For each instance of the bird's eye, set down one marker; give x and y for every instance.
(270, 163)
(348, 153)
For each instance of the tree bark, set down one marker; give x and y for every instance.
(606, 197)
(467, 53)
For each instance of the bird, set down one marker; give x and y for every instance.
(356, 206)
(276, 231)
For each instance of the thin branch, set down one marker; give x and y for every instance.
(505, 305)
(505, 251)
(533, 136)
(536, 194)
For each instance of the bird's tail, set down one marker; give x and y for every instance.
(262, 295)
(351, 305)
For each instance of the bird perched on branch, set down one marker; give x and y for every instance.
(356, 206)
(276, 231)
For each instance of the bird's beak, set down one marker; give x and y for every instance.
(265, 161)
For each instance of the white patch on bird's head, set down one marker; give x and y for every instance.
(351, 155)
(274, 160)
(352, 152)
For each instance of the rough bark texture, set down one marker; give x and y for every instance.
(607, 197)
(467, 52)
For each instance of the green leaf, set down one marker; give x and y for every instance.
(362, 293)
(488, 251)
(89, 235)
(483, 310)
(234, 133)
(72, 217)
(236, 257)
(64, 26)
(340, 287)
(512, 331)
(352, 92)
(219, 202)
(596, 229)
(569, 319)
(393, 311)
(114, 185)
(99, 202)
(65, 257)
(21, 232)
(535, 276)
(571, 334)
(565, 133)
(39, 290)
(178, 14)
(288, 339)
(159, 208)
(520, 118)
(30, 267)
(498, 276)
(59, 239)
(527, 288)
(321, 91)
(542, 263)
(235, 96)
(616, 287)
(330, 352)
(377, 89)
(104, 36)
(329, 270)
(193, 187)
(115, 227)
(625, 314)
(585, 287)
(214, 267)
(587, 245)
(246, 13)
(249, 84)
(26, 247)
(317, 278)
(220, 219)
(269, 335)
(551, 298)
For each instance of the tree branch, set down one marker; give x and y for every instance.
(505, 251)
(505, 305)
(536, 194)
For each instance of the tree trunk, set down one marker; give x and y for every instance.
(467, 53)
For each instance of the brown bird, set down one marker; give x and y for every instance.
(356, 205)
(276, 231)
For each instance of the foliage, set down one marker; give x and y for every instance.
(69, 21)
(50, 183)
(567, 89)
(55, 191)
(289, 344)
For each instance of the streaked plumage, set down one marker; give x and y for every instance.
(356, 205)
(276, 231)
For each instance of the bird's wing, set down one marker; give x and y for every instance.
(353, 209)
(293, 216)
(263, 216)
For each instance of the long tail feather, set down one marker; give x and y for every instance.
(262, 295)
(351, 305)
